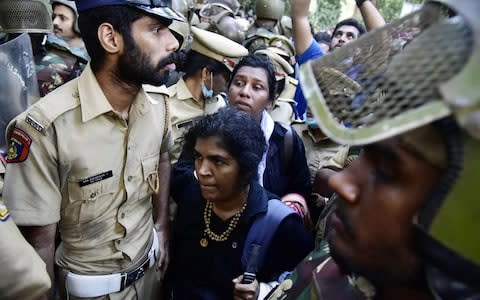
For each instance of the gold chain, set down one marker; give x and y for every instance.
(207, 213)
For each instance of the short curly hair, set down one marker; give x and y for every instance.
(240, 135)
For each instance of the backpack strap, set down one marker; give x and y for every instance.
(288, 147)
(263, 229)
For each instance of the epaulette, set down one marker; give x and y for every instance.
(42, 114)
(163, 90)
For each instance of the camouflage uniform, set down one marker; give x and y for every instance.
(319, 277)
(60, 64)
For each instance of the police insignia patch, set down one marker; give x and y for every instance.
(19, 146)
(4, 214)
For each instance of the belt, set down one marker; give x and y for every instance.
(87, 286)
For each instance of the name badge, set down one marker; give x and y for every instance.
(96, 178)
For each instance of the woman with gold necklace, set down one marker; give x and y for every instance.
(216, 208)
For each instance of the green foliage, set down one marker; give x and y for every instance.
(326, 15)
(390, 9)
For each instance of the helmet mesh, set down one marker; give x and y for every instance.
(25, 16)
(394, 69)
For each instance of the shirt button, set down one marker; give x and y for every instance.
(122, 215)
(129, 178)
(93, 195)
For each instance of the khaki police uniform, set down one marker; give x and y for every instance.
(318, 150)
(74, 161)
(282, 110)
(23, 273)
(184, 109)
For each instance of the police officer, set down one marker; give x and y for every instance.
(18, 82)
(23, 272)
(405, 222)
(267, 16)
(63, 55)
(92, 158)
(65, 22)
(207, 68)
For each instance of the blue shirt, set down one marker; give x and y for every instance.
(313, 52)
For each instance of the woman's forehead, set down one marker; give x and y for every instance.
(255, 73)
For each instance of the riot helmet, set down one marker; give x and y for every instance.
(33, 16)
(415, 75)
(269, 9)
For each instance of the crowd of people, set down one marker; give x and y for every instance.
(159, 150)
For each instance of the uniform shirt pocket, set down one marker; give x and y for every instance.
(90, 201)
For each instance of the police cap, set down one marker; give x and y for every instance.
(160, 8)
(218, 47)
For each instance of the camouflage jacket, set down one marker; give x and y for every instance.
(59, 65)
(319, 277)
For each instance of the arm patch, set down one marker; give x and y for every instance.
(19, 146)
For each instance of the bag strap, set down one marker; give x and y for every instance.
(288, 147)
(263, 229)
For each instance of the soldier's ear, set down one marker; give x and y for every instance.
(110, 39)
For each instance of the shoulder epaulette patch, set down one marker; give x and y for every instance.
(4, 213)
(34, 123)
(19, 146)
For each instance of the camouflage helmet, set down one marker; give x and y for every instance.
(33, 16)
(70, 4)
(417, 78)
(269, 9)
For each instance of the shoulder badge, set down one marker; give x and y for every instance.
(19, 146)
(34, 123)
(4, 213)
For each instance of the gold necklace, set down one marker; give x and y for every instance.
(207, 213)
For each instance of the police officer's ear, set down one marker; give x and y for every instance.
(206, 75)
(111, 40)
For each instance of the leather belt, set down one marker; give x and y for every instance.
(88, 286)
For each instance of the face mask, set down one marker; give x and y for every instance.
(206, 92)
(311, 122)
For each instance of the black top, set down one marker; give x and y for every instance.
(198, 272)
(281, 176)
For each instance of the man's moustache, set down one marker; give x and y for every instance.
(174, 58)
